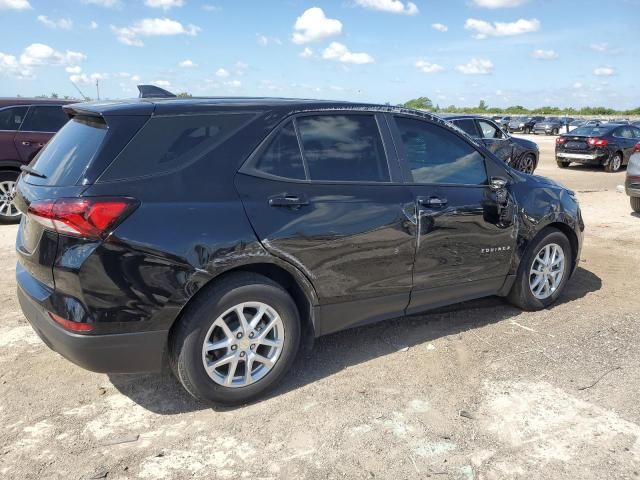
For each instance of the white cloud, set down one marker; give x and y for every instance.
(600, 47)
(38, 54)
(14, 5)
(233, 83)
(604, 71)
(103, 3)
(162, 83)
(83, 78)
(313, 25)
(135, 78)
(577, 85)
(187, 64)
(339, 52)
(306, 53)
(164, 4)
(222, 73)
(544, 54)
(76, 69)
(498, 3)
(265, 40)
(427, 67)
(152, 27)
(240, 68)
(62, 23)
(391, 6)
(501, 29)
(476, 66)
(93, 25)
(439, 27)
(9, 65)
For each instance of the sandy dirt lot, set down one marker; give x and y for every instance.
(476, 391)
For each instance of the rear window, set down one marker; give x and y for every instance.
(591, 131)
(167, 144)
(63, 160)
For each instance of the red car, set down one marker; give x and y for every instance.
(26, 124)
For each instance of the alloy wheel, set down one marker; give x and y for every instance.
(616, 163)
(243, 344)
(547, 271)
(7, 193)
(527, 164)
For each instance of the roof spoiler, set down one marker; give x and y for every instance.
(151, 91)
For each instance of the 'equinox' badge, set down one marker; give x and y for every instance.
(495, 249)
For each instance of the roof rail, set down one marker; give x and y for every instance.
(151, 91)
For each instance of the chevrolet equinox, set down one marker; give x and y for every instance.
(215, 235)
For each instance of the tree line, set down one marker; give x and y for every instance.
(425, 103)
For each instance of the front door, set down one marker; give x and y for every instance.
(464, 242)
(335, 211)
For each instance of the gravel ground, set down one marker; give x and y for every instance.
(476, 391)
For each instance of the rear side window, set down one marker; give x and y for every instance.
(489, 130)
(69, 152)
(343, 148)
(44, 119)
(166, 144)
(436, 155)
(468, 126)
(282, 157)
(12, 117)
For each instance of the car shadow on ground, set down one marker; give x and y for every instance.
(162, 394)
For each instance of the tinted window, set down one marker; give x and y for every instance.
(69, 152)
(282, 157)
(468, 126)
(343, 148)
(165, 144)
(592, 131)
(436, 155)
(11, 118)
(44, 119)
(635, 132)
(489, 130)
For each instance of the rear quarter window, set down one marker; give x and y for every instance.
(167, 144)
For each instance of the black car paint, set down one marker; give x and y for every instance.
(578, 144)
(355, 253)
(509, 149)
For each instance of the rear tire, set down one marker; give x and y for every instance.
(522, 293)
(563, 164)
(8, 211)
(614, 164)
(191, 345)
(554, 131)
(635, 204)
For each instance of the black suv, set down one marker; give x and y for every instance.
(516, 152)
(220, 233)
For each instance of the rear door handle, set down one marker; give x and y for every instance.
(26, 144)
(432, 202)
(288, 200)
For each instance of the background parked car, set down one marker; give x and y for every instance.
(609, 145)
(519, 153)
(632, 183)
(25, 126)
(552, 125)
(504, 122)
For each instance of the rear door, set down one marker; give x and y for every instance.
(337, 210)
(464, 249)
(495, 140)
(10, 120)
(40, 124)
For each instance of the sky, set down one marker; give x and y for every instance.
(456, 52)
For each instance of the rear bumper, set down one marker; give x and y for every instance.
(113, 353)
(588, 158)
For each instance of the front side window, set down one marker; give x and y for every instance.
(12, 117)
(343, 147)
(489, 130)
(436, 155)
(282, 157)
(44, 119)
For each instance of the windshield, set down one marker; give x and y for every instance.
(69, 152)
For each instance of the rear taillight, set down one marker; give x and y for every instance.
(560, 140)
(598, 142)
(69, 325)
(82, 217)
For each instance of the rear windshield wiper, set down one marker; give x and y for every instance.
(32, 171)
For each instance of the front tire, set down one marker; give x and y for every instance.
(8, 211)
(614, 164)
(528, 163)
(543, 271)
(563, 164)
(635, 204)
(233, 345)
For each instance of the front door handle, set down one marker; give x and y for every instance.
(432, 202)
(288, 200)
(26, 144)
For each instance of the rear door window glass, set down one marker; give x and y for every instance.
(282, 157)
(44, 119)
(12, 117)
(489, 130)
(69, 152)
(436, 155)
(343, 148)
(167, 144)
(468, 126)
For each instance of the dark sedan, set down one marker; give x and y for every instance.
(516, 152)
(609, 145)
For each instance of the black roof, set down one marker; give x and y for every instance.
(461, 116)
(11, 101)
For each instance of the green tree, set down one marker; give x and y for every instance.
(184, 95)
(421, 103)
(482, 106)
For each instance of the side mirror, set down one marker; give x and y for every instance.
(498, 183)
